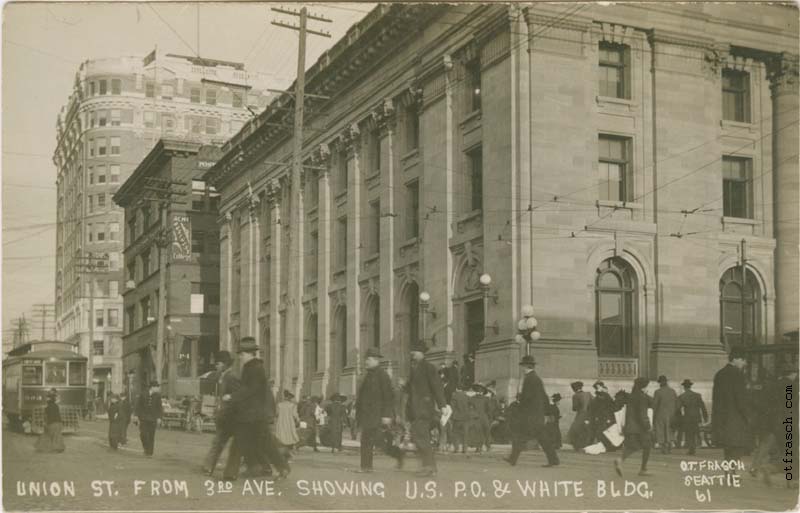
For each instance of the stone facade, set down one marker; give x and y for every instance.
(472, 145)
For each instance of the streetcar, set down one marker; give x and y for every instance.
(30, 371)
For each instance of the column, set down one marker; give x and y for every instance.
(387, 122)
(322, 159)
(783, 75)
(273, 197)
(225, 282)
(351, 139)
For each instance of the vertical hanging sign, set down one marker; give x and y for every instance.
(181, 238)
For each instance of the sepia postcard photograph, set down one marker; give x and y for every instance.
(402, 256)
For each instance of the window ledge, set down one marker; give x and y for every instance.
(340, 270)
(373, 257)
(340, 196)
(728, 123)
(374, 175)
(470, 215)
(410, 154)
(739, 220)
(312, 210)
(615, 101)
(475, 115)
(620, 204)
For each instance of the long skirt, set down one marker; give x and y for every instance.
(580, 433)
(51, 440)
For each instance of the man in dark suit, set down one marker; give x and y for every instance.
(532, 410)
(637, 428)
(729, 409)
(250, 404)
(227, 383)
(149, 411)
(425, 392)
(375, 412)
(693, 411)
(460, 404)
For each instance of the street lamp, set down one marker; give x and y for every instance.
(526, 329)
(485, 281)
(426, 308)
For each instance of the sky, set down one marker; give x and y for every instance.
(43, 46)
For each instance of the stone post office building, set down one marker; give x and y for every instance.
(631, 171)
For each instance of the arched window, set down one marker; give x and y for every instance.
(374, 321)
(740, 315)
(615, 289)
(341, 335)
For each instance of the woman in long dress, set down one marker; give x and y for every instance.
(288, 420)
(580, 432)
(337, 417)
(51, 440)
(116, 422)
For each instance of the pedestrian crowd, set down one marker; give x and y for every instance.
(444, 409)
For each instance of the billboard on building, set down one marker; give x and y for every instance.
(181, 238)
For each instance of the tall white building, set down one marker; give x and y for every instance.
(119, 108)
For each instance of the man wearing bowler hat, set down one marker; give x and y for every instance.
(533, 410)
(424, 392)
(249, 402)
(730, 410)
(375, 411)
(693, 411)
(149, 411)
(665, 406)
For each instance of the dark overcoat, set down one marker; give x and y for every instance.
(227, 383)
(636, 420)
(692, 408)
(375, 399)
(533, 402)
(250, 400)
(148, 407)
(729, 409)
(425, 391)
(117, 422)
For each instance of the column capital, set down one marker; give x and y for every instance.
(349, 138)
(782, 72)
(273, 190)
(383, 115)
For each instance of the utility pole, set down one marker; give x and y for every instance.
(20, 330)
(164, 192)
(294, 317)
(91, 266)
(41, 312)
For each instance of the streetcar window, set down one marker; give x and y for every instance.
(32, 375)
(56, 373)
(77, 373)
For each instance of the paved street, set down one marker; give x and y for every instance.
(465, 482)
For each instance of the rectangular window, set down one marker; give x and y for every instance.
(412, 210)
(116, 86)
(113, 316)
(102, 118)
(312, 189)
(101, 232)
(195, 95)
(473, 85)
(736, 95)
(144, 307)
(91, 176)
(101, 174)
(475, 158)
(92, 119)
(145, 256)
(115, 142)
(92, 149)
(98, 316)
(113, 231)
(113, 261)
(77, 373)
(113, 171)
(342, 179)
(150, 90)
(238, 99)
(197, 125)
(130, 316)
(412, 129)
(101, 146)
(376, 152)
(167, 91)
(737, 197)
(313, 258)
(149, 119)
(92, 91)
(212, 126)
(198, 242)
(211, 96)
(115, 117)
(132, 271)
(101, 200)
(168, 122)
(375, 227)
(91, 204)
(97, 348)
(613, 70)
(103, 87)
(113, 291)
(56, 373)
(341, 243)
(614, 169)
